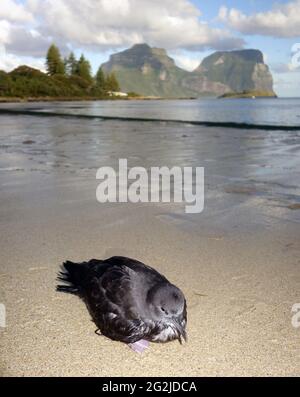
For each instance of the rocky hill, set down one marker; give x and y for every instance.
(150, 71)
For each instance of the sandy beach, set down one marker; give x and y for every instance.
(237, 262)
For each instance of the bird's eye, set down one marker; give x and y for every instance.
(163, 309)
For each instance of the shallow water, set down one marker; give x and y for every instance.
(252, 177)
(279, 111)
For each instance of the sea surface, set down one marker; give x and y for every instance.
(252, 176)
(277, 112)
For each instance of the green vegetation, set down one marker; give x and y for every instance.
(248, 94)
(100, 78)
(67, 78)
(54, 63)
(133, 94)
(84, 69)
(112, 83)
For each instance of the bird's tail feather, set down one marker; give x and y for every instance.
(72, 275)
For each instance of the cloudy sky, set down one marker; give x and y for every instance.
(188, 29)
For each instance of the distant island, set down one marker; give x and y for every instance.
(150, 71)
(248, 94)
(140, 72)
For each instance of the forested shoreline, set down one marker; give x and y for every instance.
(65, 78)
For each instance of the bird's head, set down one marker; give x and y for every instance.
(167, 303)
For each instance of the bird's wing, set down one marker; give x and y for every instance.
(121, 329)
(113, 305)
(138, 267)
(112, 293)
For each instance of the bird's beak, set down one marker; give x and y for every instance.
(181, 331)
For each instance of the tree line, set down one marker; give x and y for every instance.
(69, 66)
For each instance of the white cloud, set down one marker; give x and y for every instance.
(9, 62)
(19, 40)
(4, 32)
(27, 42)
(185, 62)
(282, 21)
(13, 11)
(119, 23)
(285, 68)
(27, 28)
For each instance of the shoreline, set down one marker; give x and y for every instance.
(209, 124)
(89, 99)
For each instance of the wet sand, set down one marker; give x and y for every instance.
(237, 262)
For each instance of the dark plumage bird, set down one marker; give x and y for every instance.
(128, 301)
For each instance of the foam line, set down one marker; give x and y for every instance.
(223, 124)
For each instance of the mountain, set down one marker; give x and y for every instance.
(150, 71)
(147, 71)
(242, 70)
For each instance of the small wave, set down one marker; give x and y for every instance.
(224, 124)
(11, 169)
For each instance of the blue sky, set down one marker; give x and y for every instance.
(277, 50)
(188, 29)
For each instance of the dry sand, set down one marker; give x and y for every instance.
(239, 289)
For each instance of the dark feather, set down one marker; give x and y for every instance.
(115, 291)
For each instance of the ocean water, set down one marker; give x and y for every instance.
(252, 176)
(278, 112)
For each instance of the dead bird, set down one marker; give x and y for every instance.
(128, 300)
